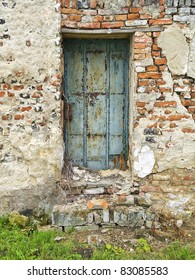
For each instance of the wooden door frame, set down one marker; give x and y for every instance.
(77, 34)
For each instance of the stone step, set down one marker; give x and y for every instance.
(97, 213)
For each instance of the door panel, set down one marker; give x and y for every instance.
(96, 102)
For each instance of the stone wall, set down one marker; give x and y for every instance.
(162, 92)
(31, 142)
(162, 150)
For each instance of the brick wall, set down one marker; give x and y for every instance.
(162, 92)
(162, 88)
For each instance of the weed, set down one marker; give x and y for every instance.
(17, 244)
(143, 246)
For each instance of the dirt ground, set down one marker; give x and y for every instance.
(127, 239)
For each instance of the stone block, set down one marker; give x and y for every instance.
(67, 216)
(106, 216)
(181, 18)
(97, 217)
(134, 23)
(170, 11)
(90, 218)
(116, 216)
(184, 11)
(94, 191)
(144, 201)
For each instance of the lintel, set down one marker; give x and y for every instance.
(108, 33)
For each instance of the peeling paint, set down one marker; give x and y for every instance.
(144, 161)
(174, 46)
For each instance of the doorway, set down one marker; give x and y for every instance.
(96, 90)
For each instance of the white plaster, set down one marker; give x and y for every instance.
(167, 77)
(174, 46)
(178, 203)
(191, 63)
(144, 161)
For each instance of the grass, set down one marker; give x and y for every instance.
(18, 244)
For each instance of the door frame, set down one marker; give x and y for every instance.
(130, 78)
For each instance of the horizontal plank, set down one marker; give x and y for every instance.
(111, 33)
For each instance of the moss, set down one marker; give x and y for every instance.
(19, 220)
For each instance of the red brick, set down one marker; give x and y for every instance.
(160, 21)
(18, 87)
(73, 4)
(146, 189)
(139, 45)
(188, 103)
(162, 67)
(135, 9)
(148, 55)
(112, 24)
(177, 117)
(165, 104)
(65, 3)
(2, 93)
(191, 109)
(6, 86)
(10, 94)
(136, 51)
(28, 108)
(143, 83)
(39, 87)
(93, 4)
(139, 56)
(97, 18)
(193, 87)
(159, 118)
(108, 18)
(149, 89)
(156, 34)
(68, 24)
(143, 40)
(70, 11)
(120, 17)
(161, 125)
(145, 16)
(163, 89)
(156, 53)
(152, 68)
(160, 61)
(18, 117)
(37, 95)
(5, 117)
(136, 124)
(188, 130)
(89, 25)
(97, 204)
(172, 125)
(150, 75)
(155, 47)
(74, 17)
(141, 104)
(133, 16)
(142, 111)
(162, 2)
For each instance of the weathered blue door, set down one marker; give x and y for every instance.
(96, 102)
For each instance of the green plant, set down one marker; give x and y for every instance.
(143, 246)
(70, 230)
(18, 244)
